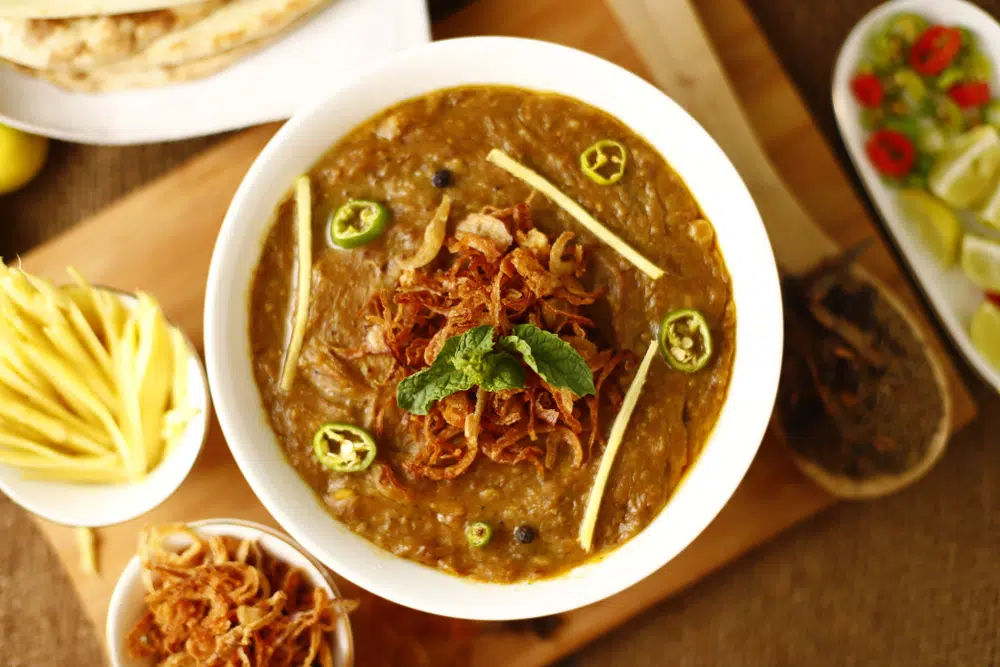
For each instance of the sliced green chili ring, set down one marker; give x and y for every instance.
(685, 340)
(357, 223)
(479, 534)
(344, 447)
(595, 158)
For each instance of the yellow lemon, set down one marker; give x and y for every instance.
(981, 261)
(966, 170)
(989, 212)
(936, 224)
(985, 332)
(21, 158)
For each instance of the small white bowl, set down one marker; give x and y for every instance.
(128, 600)
(952, 295)
(95, 505)
(713, 181)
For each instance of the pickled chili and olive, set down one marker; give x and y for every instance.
(920, 85)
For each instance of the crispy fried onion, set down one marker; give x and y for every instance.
(502, 271)
(433, 237)
(226, 602)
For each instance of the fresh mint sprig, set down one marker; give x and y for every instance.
(465, 361)
(469, 360)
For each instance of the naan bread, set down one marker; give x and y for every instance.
(117, 77)
(230, 33)
(93, 41)
(60, 9)
(239, 22)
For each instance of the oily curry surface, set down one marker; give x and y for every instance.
(393, 158)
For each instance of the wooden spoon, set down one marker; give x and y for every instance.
(683, 62)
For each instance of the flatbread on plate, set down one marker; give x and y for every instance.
(238, 23)
(93, 41)
(117, 77)
(58, 9)
(230, 33)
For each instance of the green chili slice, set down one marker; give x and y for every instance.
(344, 447)
(479, 534)
(685, 340)
(358, 222)
(605, 157)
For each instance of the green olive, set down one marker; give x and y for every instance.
(871, 119)
(912, 86)
(948, 115)
(886, 52)
(906, 26)
(930, 138)
(976, 65)
(991, 113)
(949, 78)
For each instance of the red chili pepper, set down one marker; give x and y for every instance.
(994, 297)
(892, 153)
(970, 94)
(868, 90)
(935, 49)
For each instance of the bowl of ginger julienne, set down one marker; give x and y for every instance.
(104, 405)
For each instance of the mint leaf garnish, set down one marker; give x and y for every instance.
(469, 360)
(464, 361)
(502, 372)
(552, 358)
(416, 393)
(470, 349)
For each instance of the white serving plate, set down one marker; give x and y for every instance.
(268, 86)
(711, 178)
(953, 296)
(95, 505)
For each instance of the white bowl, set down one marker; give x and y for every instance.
(128, 600)
(953, 296)
(711, 178)
(97, 505)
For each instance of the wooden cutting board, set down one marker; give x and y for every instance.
(160, 239)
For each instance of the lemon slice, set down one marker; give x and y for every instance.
(981, 262)
(21, 158)
(989, 212)
(985, 332)
(966, 170)
(935, 224)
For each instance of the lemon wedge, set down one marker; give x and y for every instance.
(966, 170)
(989, 212)
(985, 332)
(981, 262)
(935, 224)
(21, 158)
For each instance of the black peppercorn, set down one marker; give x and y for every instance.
(441, 178)
(524, 534)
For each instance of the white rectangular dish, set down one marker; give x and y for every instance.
(953, 296)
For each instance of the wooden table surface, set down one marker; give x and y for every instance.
(793, 144)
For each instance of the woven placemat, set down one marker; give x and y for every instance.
(909, 580)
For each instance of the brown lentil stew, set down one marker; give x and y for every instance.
(406, 158)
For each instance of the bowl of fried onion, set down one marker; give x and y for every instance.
(226, 592)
